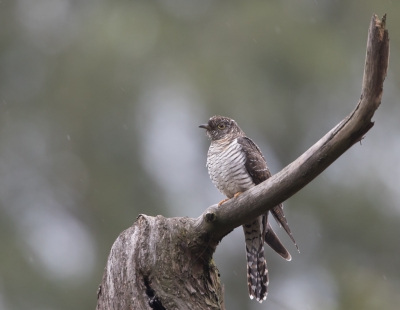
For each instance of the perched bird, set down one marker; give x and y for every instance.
(235, 164)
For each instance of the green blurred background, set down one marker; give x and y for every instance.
(100, 103)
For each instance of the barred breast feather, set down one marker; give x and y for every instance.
(236, 164)
(226, 163)
(226, 166)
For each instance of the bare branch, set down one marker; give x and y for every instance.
(221, 220)
(166, 263)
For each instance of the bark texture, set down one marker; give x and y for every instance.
(161, 263)
(166, 263)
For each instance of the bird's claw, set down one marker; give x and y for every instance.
(237, 194)
(222, 201)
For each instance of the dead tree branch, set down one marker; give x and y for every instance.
(316, 159)
(162, 263)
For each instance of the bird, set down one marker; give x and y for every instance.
(235, 164)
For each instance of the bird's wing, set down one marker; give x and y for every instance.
(273, 241)
(280, 217)
(257, 167)
(255, 163)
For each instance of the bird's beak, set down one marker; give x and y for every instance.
(205, 126)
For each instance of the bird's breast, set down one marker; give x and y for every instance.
(226, 166)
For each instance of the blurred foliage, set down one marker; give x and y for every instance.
(99, 107)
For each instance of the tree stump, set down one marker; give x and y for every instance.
(166, 263)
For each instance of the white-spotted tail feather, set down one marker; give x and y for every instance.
(257, 272)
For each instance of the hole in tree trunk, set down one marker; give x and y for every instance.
(154, 303)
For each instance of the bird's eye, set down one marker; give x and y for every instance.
(221, 126)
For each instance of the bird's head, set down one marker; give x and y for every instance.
(221, 127)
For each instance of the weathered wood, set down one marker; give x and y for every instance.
(162, 263)
(316, 159)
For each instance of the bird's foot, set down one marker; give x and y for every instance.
(226, 199)
(222, 201)
(237, 194)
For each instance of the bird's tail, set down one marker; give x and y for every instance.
(257, 272)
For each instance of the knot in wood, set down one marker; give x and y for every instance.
(211, 216)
